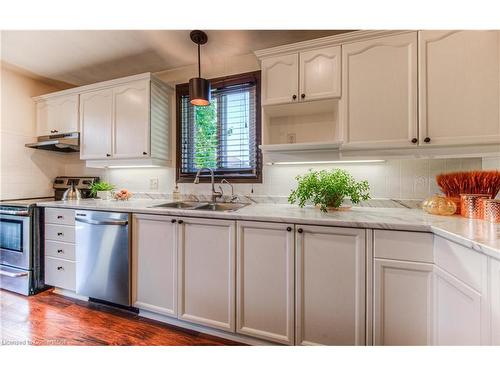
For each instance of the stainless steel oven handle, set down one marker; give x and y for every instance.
(15, 213)
(101, 222)
(13, 274)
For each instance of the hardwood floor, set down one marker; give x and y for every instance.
(50, 319)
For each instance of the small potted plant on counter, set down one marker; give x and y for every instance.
(327, 189)
(102, 190)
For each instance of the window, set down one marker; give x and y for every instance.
(225, 135)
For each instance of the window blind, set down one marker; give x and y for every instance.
(223, 135)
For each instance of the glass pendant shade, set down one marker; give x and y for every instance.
(199, 91)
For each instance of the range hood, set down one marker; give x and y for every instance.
(68, 142)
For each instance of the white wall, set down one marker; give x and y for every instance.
(24, 171)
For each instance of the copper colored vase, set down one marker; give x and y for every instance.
(491, 210)
(471, 205)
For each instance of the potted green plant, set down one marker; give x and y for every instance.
(102, 190)
(327, 189)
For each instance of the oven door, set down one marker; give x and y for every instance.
(15, 241)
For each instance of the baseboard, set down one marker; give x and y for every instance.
(70, 294)
(210, 331)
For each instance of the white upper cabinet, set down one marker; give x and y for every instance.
(459, 87)
(96, 119)
(280, 79)
(330, 286)
(319, 76)
(57, 115)
(131, 122)
(302, 76)
(379, 99)
(265, 281)
(125, 122)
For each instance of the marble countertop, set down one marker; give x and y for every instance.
(479, 235)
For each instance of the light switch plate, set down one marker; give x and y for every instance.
(291, 138)
(153, 183)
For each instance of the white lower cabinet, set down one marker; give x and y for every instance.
(265, 281)
(495, 301)
(330, 285)
(154, 262)
(206, 250)
(457, 311)
(402, 302)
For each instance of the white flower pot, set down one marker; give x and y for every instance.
(105, 195)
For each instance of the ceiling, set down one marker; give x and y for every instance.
(88, 56)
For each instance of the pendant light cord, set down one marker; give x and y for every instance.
(199, 62)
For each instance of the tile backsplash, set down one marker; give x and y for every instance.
(397, 179)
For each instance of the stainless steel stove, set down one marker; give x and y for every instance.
(21, 240)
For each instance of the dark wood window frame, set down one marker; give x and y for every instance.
(182, 90)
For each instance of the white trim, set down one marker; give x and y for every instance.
(326, 41)
(211, 331)
(102, 85)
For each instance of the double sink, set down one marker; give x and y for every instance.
(203, 206)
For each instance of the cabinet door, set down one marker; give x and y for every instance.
(207, 272)
(320, 74)
(67, 114)
(280, 79)
(131, 120)
(96, 117)
(402, 303)
(330, 277)
(379, 99)
(495, 301)
(459, 87)
(42, 118)
(457, 311)
(154, 262)
(265, 281)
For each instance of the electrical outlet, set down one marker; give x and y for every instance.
(291, 138)
(153, 183)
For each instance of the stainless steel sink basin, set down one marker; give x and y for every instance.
(227, 207)
(180, 205)
(224, 207)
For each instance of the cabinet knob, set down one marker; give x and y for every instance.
(300, 230)
(173, 221)
(60, 233)
(108, 155)
(144, 153)
(180, 221)
(427, 139)
(294, 96)
(60, 251)
(60, 268)
(59, 216)
(414, 140)
(303, 96)
(289, 229)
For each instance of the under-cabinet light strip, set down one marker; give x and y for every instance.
(325, 162)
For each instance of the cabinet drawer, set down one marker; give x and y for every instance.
(60, 273)
(60, 216)
(62, 250)
(406, 246)
(64, 233)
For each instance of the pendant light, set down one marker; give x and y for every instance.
(199, 88)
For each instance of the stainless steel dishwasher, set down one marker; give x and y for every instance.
(103, 256)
